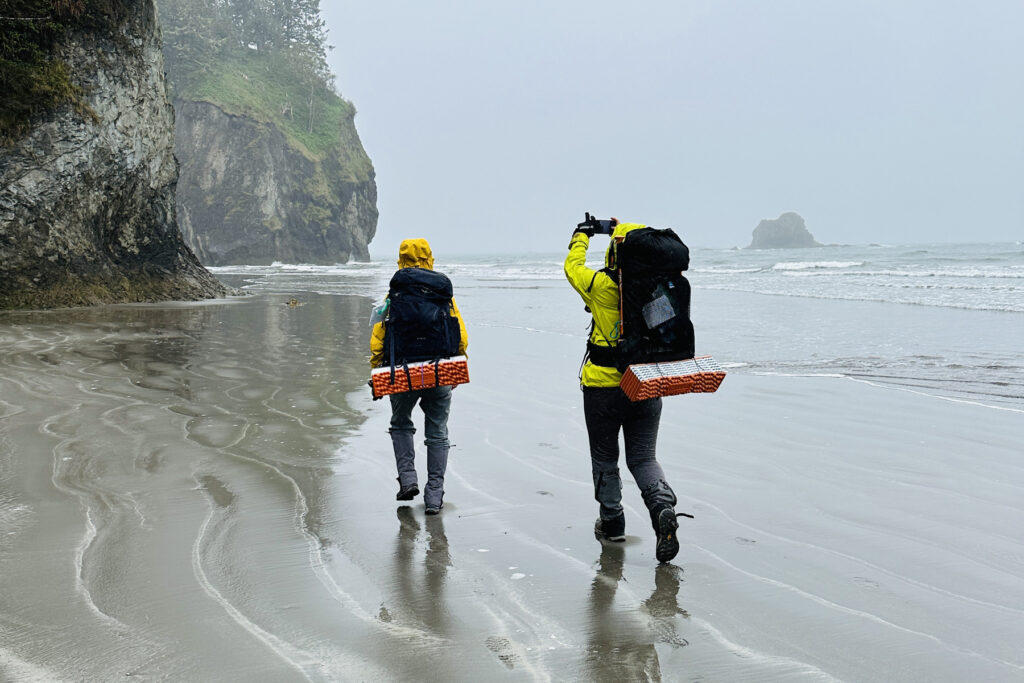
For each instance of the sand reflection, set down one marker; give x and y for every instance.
(621, 639)
(420, 597)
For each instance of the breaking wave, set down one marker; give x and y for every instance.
(807, 265)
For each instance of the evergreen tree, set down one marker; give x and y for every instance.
(195, 32)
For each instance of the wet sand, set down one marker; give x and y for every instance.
(206, 492)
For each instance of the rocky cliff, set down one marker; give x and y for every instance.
(786, 231)
(248, 194)
(87, 209)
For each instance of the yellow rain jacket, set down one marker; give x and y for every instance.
(414, 253)
(600, 293)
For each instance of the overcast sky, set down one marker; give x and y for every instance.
(493, 125)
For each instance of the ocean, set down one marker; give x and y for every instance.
(942, 319)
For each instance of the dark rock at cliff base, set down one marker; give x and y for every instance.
(785, 232)
(87, 212)
(249, 195)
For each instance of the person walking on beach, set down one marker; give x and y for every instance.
(418, 332)
(607, 410)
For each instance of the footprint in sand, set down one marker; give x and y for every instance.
(503, 648)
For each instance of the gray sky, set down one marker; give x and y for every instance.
(494, 125)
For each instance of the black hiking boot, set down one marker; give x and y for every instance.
(665, 526)
(433, 509)
(664, 520)
(407, 492)
(613, 529)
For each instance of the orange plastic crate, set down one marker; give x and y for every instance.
(649, 380)
(449, 371)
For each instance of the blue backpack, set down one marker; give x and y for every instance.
(420, 325)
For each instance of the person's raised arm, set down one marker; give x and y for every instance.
(576, 270)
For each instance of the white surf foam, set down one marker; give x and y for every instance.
(807, 265)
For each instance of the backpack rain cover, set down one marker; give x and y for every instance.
(655, 298)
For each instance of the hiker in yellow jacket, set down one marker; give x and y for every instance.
(607, 410)
(434, 401)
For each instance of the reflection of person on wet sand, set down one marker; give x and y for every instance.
(620, 646)
(663, 605)
(420, 600)
(437, 559)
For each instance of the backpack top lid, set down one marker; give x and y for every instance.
(652, 250)
(424, 282)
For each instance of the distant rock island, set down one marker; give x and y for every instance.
(788, 231)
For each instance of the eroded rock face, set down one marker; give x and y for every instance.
(245, 196)
(785, 232)
(87, 207)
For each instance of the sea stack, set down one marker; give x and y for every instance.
(87, 208)
(788, 231)
(271, 166)
(250, 195)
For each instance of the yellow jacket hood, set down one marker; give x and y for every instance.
(415, 253)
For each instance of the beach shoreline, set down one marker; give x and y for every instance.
(207, 493)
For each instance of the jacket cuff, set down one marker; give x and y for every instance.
(579, 237)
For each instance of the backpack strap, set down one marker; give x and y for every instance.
(391, 355)
(448, 341)
(606, 271)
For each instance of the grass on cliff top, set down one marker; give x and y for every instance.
(268, 89)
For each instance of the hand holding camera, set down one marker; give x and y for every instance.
(591, 226)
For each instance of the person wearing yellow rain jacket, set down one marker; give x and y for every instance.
(607, 410)
(434, 401)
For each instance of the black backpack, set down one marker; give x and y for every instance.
(419, 324)
(654, 298)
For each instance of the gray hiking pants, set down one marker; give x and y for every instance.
(607, 410)
(436, 404)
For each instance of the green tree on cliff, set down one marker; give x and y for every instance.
(197, 33)
(265, 59)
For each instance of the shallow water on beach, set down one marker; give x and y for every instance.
(941, 319)
(129, 434)
(205, 492)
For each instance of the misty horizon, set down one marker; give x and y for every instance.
(876, 123)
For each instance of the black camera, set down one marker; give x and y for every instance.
(600, 227)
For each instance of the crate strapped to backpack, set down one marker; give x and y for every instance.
(420, 332)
